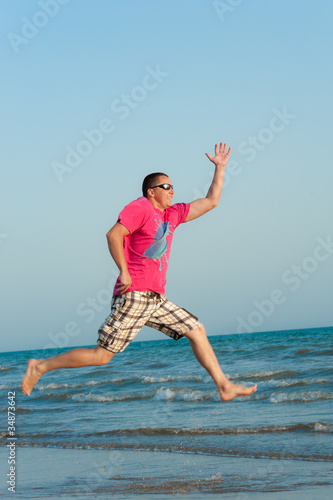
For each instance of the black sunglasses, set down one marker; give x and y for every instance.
(163, 186)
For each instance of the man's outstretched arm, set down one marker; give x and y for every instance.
(203, 205)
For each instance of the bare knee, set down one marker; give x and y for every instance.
(197, 333)
(103, 356)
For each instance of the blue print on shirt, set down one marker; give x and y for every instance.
(157, 249)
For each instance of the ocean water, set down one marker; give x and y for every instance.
(151, 421)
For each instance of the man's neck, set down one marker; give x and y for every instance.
(155, 204)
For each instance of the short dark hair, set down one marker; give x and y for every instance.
(150, 180)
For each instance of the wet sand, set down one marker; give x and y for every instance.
(97, 474)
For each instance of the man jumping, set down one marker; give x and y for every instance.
(140, 243)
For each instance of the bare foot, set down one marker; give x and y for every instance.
(31, 376)
(236, 391)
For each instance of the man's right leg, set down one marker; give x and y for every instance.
(75, 358)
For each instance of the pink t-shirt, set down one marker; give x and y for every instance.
(147, 247)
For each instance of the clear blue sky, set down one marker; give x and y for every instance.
(163, 81)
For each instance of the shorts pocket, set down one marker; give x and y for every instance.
(118, 305)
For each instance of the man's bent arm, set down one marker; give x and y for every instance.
(203, 205)
(115, 239)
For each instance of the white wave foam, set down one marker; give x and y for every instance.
(215, 478)
(322, 427)
(164, 394)
(94, 397)
(280, 383)
(291, 382)
(146, 379)
(152, 380)
(56, 386)
(115, 380)
(5, 368)
(191, 396)
(303, 397)
(108, 398)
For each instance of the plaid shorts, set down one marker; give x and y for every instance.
(130, 311)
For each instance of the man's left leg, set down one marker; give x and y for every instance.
(204, 353)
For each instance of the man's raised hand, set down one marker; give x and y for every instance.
(221, 155)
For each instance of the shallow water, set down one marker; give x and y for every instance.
(155, 401)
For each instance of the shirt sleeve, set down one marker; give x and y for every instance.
(133, 216)
(182, 211)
